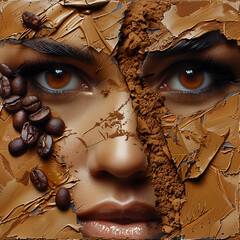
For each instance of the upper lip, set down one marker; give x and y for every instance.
(132, 212)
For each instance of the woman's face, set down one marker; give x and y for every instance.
(69, 65)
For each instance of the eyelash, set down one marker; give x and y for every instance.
(220, 74)
(32, 68)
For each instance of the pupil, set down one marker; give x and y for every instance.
(191, 78)
(58, 78)
(190, 74)
(58, 73)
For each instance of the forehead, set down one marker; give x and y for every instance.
(95, 23)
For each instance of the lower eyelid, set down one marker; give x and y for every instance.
(56, 97)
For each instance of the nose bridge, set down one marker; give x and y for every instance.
(120, 154)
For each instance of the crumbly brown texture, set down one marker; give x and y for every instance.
(150, 107)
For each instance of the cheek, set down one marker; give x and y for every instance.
(196, 141)
(89, 121)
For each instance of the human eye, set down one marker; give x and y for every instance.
(195, 82)
(55, 78)
(193, 78)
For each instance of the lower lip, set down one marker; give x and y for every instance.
(106, 229)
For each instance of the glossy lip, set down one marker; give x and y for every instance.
(103, 219)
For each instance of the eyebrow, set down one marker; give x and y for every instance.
(203, 42)
(51, 47)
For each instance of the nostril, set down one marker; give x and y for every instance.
(102, 174)
(135, 179)
(119, 158)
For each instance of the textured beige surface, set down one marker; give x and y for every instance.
(73, 22)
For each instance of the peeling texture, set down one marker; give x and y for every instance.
(208, 151)
(92, 23)
(187, 20)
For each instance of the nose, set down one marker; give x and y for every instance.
(121, 153)
(120, 157)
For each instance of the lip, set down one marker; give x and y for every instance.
(134, 220)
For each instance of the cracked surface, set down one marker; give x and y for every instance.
(207, 145)
(199, 152)
(95, 23)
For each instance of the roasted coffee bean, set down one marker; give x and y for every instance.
(5, 70)
(42, 115)
(45, 145)
(63, 198)
(5, 87)
(31, 103)
(55, 126)
(13, 103)
(30, 133)
(17, 147)
(31, 20)
(19, 118)
(39, 179)
(19, 86)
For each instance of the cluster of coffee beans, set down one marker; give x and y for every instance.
(30, 118)
(35, 124)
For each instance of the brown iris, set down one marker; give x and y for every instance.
(191, 78)
(58, 78)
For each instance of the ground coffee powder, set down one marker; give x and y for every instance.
(150, 107)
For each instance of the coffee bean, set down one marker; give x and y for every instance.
(31, 103)
(39, 179)
(63, 198)
(42, 115)
(17, 147)
(5, 87)
(31, 20)
(45, 145)
(30, 133)
(55, 126)
(5, 70)
(19, 86)
(13, 103)
(19, 118)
